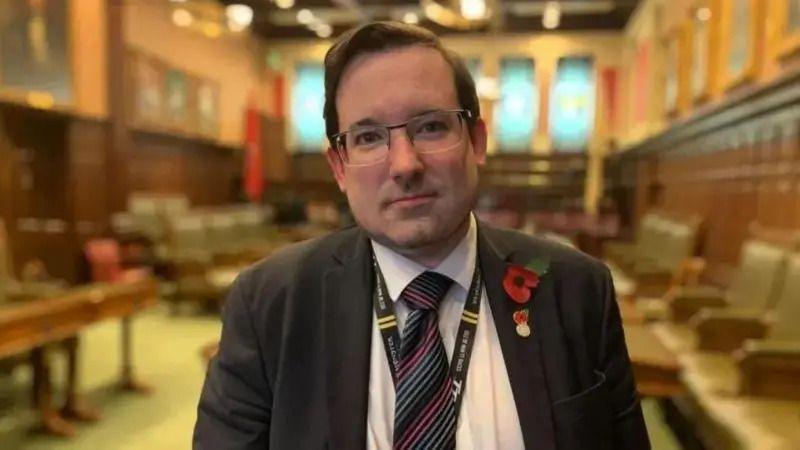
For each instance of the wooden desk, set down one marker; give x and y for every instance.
(655, 367)
(29, 326)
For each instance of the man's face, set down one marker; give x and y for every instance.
(408, 201)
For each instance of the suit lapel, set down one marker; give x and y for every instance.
(347, 321)
(523, 356)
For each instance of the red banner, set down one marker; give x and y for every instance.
(253, 179)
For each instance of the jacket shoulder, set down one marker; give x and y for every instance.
(291, 263)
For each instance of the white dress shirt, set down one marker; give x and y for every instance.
(488, 418)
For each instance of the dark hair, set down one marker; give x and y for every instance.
(379, 36)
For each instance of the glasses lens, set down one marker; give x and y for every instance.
(435, 131)
(367, 144)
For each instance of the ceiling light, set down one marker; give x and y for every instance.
(305, 16)
(182, 17)
(235, 27)
(704, 14)
(473, 9)
(211, 29)
(324, 30)
(241, 16)
(411, 18)
(284, 4)
(552, 15)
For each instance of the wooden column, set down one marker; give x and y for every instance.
(119, 140)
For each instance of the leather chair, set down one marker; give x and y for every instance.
(749, 398)
(753, 290)
(625, 254)
(769, 362)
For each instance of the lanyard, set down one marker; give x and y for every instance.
(387, 323)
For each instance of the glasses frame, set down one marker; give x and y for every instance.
(463, 116)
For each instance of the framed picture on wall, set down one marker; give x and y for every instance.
(146, 101)
(701, 55)
(206, 106)
(787, 25)
(176, 89)
(34, 49)
(743, 30)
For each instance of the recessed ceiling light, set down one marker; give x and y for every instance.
(703, 14)
(411, 18)
(284, 4)
(305, 16)
(473, 9)
(552, 15)
(182, 17)
(239, 16)
(324, 30)
(212, 30)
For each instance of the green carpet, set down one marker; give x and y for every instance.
(166, 352)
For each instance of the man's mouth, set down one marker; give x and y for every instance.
(408, 201)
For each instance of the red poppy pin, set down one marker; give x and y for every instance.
(519, 283)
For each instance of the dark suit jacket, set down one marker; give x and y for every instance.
(293, 364)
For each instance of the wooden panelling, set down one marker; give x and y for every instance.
(37, 211)
(206, 172)
(734, 165)
(59, 186)
(277, 164)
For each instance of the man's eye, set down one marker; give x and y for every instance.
(367, 138)
(433, 126)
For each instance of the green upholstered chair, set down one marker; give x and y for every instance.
(753, 288)
(771, 366)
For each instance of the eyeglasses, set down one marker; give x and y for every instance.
(432, 132)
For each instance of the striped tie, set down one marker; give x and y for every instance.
(424, 415)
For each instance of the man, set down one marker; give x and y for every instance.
(412, 330)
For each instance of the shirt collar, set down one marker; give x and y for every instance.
(399, 271)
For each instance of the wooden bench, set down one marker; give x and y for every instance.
(30, 326)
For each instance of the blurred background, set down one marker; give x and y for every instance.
(151, 149)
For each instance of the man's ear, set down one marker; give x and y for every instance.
(337, 166)
(477, 134)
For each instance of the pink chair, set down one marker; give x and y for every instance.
(106, 264)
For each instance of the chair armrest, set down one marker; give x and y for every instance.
(770, 347)
(652, 279)
(31, 290)
(686, 301)
(724, 330)
(769, 368)
(621, 253)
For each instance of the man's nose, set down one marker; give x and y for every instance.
(404, 161)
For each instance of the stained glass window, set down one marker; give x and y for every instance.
(517, 111)
(572, 104)
(308, 98)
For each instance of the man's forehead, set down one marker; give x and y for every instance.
(408, 80)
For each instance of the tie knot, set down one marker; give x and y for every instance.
(426, 291)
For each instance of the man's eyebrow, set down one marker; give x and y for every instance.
(365, 121)
(371, 121)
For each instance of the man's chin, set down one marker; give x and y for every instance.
(418, 237)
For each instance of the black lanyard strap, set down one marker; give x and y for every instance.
(465, 338)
